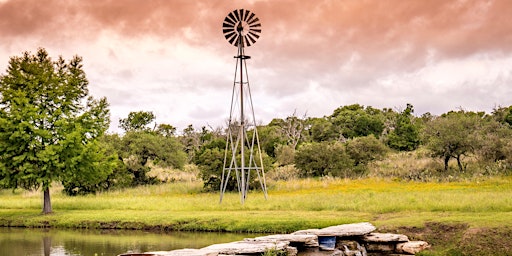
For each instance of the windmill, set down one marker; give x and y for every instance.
(242, 28)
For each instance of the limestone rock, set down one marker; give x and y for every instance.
(247, 247)
(411, 247)
(182, 252)
(291, 251)
(381, 247)
(317, 252)
(358, 251)
(356, 229)
(307, 240)
(350, 244)
(385, 238)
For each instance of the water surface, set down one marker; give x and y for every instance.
(35, 242)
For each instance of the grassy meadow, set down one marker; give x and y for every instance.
(420, 209)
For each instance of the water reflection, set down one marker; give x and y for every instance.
(35, 242)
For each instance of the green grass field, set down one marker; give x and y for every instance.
(291, 205)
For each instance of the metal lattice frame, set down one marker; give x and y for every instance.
(243, 151)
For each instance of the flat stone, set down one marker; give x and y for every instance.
(356, 229)
(385, 238)
(317, 252)
(381, 247)
(181, 252)
(411, 247)
(307, 240)
(247, 247)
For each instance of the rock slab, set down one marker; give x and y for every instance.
(355, 229)
(182, 252)
(385, 238)
(307, 240)
(247, 247)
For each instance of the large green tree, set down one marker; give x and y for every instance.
(453, 135)
(48, 123)
(142, 146)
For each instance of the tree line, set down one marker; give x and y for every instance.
(52, 130)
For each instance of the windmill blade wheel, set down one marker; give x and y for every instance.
(241, 26)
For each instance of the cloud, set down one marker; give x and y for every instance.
(313, 56)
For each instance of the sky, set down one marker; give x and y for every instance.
(170, 56)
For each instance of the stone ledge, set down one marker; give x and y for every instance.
(385, 238)
(307, 240)
(247, 247)
(355, 229)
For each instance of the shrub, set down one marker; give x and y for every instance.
(318, 159)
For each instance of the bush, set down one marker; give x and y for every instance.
(365, 149)
(318, 159)
(287, 172)
(285, 154)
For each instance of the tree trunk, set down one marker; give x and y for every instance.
(446, 159)
(47, 204)
(459, 163)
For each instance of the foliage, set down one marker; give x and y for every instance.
(166, 130)
(48, 124)
(271, 137)
(318, 159)
(210, 160)
(287, 172)
(503, 115)
(494, 140)
(453, 136)
(139, 148)
(405, 135)
(275, 252)
(192, 140)
(321, 129)
(356, 121)
(363, 150)
(137, 121)
(120, 176)
(285, 155)
(207, 150)
(90, 179)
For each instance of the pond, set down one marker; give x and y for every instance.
(34, 242)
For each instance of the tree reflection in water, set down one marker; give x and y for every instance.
(16, 241)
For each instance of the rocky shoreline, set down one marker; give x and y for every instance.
(358, 239)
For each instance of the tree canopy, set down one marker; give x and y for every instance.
(452, 135)
(49, 124)
(405, 135)
(137, 121)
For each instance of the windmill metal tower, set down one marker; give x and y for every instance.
(243, 151)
